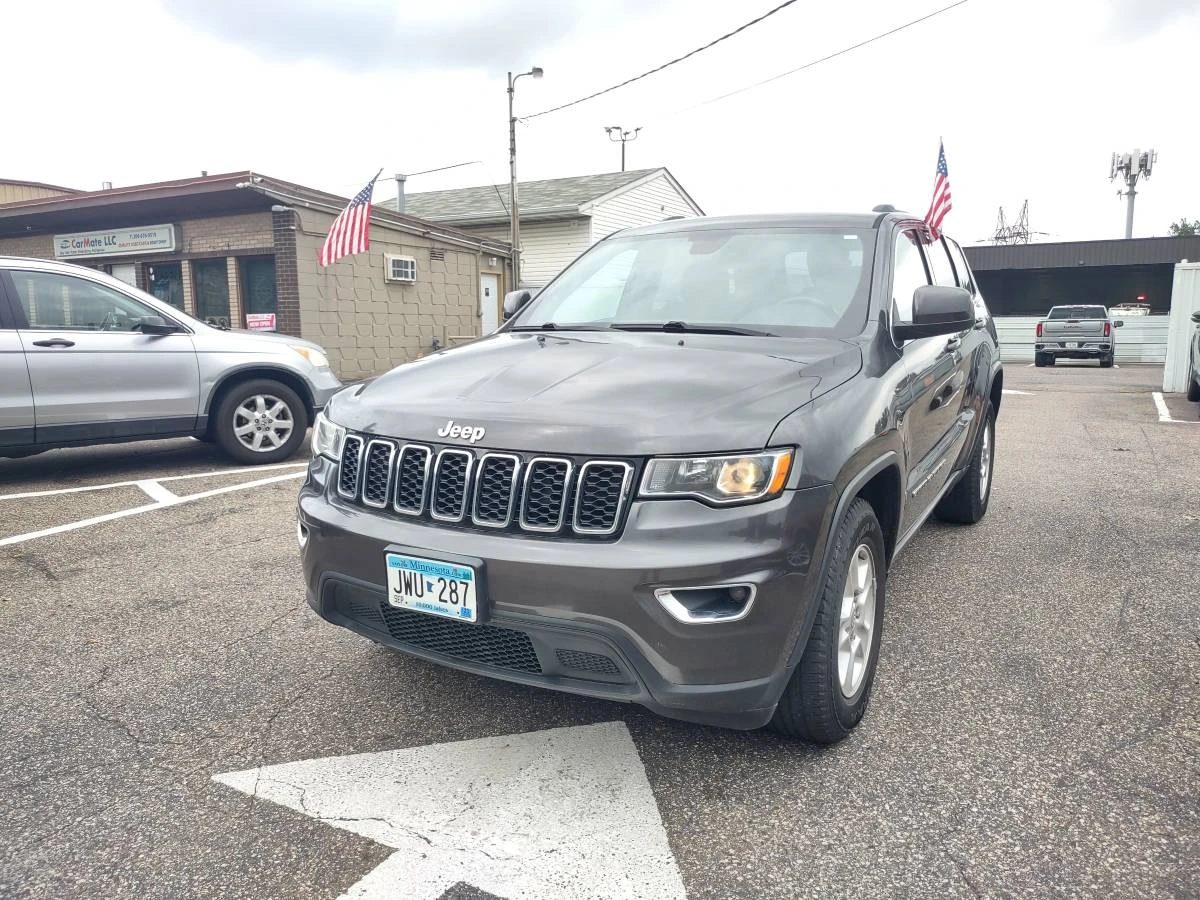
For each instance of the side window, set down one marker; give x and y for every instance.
(939, 264)
(52, 302)
(961, 269)
(599, 296)
(908, 274)
(966, 279)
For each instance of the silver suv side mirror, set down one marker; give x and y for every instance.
(513, 301)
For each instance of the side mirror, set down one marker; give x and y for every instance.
(513, 301)
(155, 325)
(1196, 317)
(1118, 323)
(937, 310)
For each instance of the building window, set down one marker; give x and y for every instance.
(211, 279)
(400, 268)
(166, 283)
(258, 286)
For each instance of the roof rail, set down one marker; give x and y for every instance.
(884, 208)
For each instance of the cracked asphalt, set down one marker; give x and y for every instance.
(1035, 727)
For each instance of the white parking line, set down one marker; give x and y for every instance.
(138, 482)
(156, 491)
(1164, 414)
(1021, 393)
(137, 510)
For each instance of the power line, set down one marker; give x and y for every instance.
(665, 65)
(815, 62)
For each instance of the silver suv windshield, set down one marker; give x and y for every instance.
(803, 282)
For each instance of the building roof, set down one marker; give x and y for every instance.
(206, 195)
(38, 184)
(550, 199)
(1073, 254)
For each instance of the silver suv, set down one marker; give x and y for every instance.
(87, 359)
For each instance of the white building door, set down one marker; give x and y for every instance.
(489, 303)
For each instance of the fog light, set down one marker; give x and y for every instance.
(301, 534)
(708, 604)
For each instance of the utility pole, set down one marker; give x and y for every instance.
(514, 229)
(623, 137)
(1129, 167)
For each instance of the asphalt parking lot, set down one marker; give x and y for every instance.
(1035, 728)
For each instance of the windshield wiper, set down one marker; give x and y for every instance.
(684, 328)
(552, 326)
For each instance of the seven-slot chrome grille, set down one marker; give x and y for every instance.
(547, 495)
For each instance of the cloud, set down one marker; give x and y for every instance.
(375, 35)
(1142, 18)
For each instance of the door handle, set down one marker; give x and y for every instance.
(54, 342)
(953, 344)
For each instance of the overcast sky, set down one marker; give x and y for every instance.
(1031, 97)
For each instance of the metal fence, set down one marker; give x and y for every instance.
(1142, 339)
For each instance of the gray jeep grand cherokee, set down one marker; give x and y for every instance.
(677, 477)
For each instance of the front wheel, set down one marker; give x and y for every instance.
(260, 421)
(828, 692)
(1193, 393)
(967, 501)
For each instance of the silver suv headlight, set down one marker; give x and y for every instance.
(737, 478)
(327, 438)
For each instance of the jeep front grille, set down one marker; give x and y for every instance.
(552, 496)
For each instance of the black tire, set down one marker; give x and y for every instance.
(967, 501)
(1039, 359)
(1049, 359)
(1106, 361)
(223, 424)
(1193, 393)
(813, 706)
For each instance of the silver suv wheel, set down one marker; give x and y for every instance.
(857, 621)
(263, 423)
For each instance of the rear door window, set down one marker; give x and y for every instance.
(939, 264)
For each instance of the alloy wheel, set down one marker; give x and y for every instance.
(856, 624)
(263, 423)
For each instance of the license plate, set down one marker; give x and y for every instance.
(1072, 345)
(429, 586)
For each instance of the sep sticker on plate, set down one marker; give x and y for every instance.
(428, 586)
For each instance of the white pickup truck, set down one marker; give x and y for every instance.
(1076, 332)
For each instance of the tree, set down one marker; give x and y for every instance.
(1184, 228)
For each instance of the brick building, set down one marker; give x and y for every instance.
(240, 249)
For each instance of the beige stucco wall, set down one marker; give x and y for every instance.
(15, 192)
(370, 325)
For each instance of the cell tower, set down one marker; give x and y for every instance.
(1129, 167)
(1017, 233)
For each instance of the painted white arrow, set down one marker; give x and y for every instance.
(557, 814)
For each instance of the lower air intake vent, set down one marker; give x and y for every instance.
(587, 662)
(487, 644)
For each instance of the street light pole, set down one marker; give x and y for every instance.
(514, 228)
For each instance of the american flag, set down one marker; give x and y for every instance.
(348, 234)
(940, 204)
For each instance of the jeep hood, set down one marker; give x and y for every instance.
(602, 393)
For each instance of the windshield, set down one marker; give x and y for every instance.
(797, 282)
(1078, 312)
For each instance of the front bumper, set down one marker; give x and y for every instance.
(581, 615)
(323, 384)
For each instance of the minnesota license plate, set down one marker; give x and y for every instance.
(429, 586)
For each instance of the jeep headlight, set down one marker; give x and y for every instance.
(738, 478)
(327, 438)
